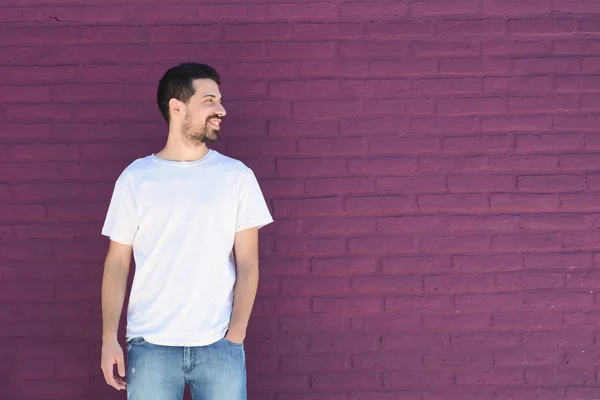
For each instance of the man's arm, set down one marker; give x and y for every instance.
(114, 287)
(246, 255)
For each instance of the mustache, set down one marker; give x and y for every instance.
(214, 116)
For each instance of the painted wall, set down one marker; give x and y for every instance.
(432, 167)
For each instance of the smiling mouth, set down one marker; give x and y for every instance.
(215, 122)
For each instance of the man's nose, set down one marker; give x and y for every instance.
(221, 111)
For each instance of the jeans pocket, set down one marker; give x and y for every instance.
(229, 342)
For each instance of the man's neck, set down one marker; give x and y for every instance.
(183, 151)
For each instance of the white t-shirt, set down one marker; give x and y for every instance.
(181, 218)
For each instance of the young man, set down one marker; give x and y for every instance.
(190, 216)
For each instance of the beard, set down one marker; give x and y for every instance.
(199, 134)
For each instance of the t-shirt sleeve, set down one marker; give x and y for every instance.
(120, 223)
(252, 210)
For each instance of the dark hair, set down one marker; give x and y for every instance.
(177, 83)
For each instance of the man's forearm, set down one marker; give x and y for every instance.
(244, 295)
(114, 287)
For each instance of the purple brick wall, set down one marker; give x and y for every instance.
(432, 166)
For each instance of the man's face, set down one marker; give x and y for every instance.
(203, 113)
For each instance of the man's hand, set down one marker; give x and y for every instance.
(235, 337)
(112, 354)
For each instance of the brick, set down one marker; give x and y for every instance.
(263, 70)
(525, 202)
(403, 145)
(333, 69)
(487, 263)
(542, 103)
(339, 186)
(548, 65)
(352, 126)
(386, 361)
(455, 243)
(576, 83)
(56, 311)
(314, 167)
(399, 106)
(446, 48)
(473, 303)
(475, 283)
(18, 213)
(560, 339)
(551, 222)
(581, 356)
(447, 85)
(372, 87)
(542, 26)
(582, 279)
(341, 225)
(579, 161)
(446, 202)
(328, 108)
(474, 66)
(557, 261)
(445, 358)
(314, 363)
(525, 242)
(592, 141)
(471, 27)
(322, 30)
(486, 340)
(516, 47)
(590, 65)
(495, 376)
(413, 341)
(281, 306)
(530, 394)
(347, 342)
(514, 7)
(311, 396)
(379, 166)
(554, 376)
(456, 322)
(304, 89)
(345, 381)
(579, 241)
(356, 265)
(373, 9)
(479, 183)
(380, 205)
(282, 187)
(540, 183)
(527, 321)
(307, 207)
(278, 381)
(312, 10)
(571, 46)
(348, 306)
(387, 322)
(311, 246)
(374, 245)
(519, 123)
(332, 146)
(443, 164)
(406, 378)
(479, 223)
(448, 7)
(583, 201)
(549, 142)
(312, 324)
(409, 184)
(445, 125)
(392, 29)
(306, 50)
(477, 143)
(584, 6)
(424, 304)
(386, 285)
(373, 49)
(403, 394)
(403, 67)
(410, 224)
(471, 106)
(42, 152)
(525, 162)
(415, 264)
(295, 128)
(517, 84)
(589, 102)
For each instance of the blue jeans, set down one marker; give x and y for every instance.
(213, 372)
